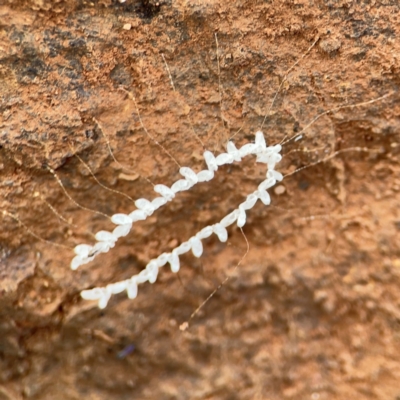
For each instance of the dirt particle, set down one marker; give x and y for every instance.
(183, 326)
(330, 45)
(279, 190)
(303, 184)
(127, 177)
(121, 76)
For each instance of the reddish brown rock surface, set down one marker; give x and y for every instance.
(313, 310)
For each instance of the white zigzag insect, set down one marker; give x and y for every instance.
(106, 240)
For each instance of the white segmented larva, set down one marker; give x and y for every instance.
(77, 261)
(142, 276)
(82, 250)
(138, 215)
(162, 259)
(117, 287)
(121, 219)
(266, 184)
(181, 185)
(158, 202)
(99, 247)
(197, 246)
(224, 158)
(122, 230)
(174, 262)
(229, 219)
(210, 161)
(152, 268)
(247, 149)
(205, 176)
(165, 192)
(145, 206)
(183, 248)
(264, 196)
(275, 174)
(205, 233)
(233, 151)
(189, 174)
(106, 240)
(93, 294)
(241, 221)
(249, 203)
(132, 288)
(104, 236)
(221, 232)
(260, 140)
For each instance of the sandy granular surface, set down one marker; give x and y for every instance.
(312, 312)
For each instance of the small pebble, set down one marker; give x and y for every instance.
(183, 326)
(330, 45)
(279, 190)
(127, 27)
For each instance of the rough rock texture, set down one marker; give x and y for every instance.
(313, 311)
